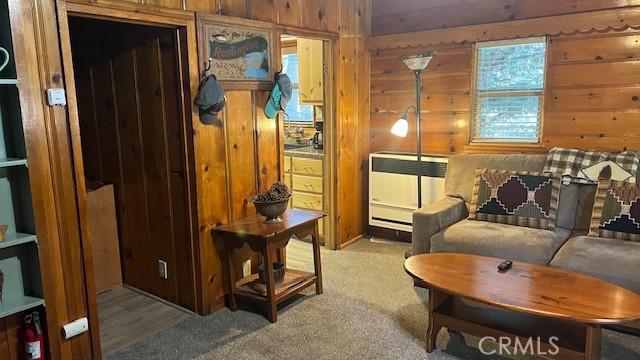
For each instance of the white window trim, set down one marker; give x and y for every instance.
(296, 86)
(507, 93)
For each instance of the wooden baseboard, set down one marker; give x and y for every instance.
(350, 242)
(144, 293)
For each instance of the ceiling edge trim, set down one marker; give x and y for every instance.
(580, 23)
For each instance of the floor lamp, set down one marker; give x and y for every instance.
(416, 63)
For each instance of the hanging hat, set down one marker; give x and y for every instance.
(210, 100)
(280, 96)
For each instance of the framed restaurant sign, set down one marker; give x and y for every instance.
(238, 52)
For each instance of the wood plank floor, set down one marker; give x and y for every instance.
(299, 255)
(127, 317)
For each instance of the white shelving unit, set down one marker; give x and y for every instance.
(19, 261)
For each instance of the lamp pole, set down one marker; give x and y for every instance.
(415, 63)
(418, 74)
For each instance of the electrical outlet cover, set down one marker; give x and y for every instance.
(246, 268)
(162, 267)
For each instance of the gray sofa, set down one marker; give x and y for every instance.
(443, 227)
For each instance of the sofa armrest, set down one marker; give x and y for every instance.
(433, 218)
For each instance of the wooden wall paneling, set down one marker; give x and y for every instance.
(156, 172)
(330, 20)
(595, 73)
(173, 4)
(363, 106)
(208, 6)
(597, 47)
(107, 128)
(314, 15)
(213, 193)
(397, 16)
(350, 125)
(88, 128)
(241, 164)
(268, 144)
(131, 193)
(235, 8)
(289, 12)
(346, 126)
(11, 345)
(263, 10)
(178, 173)
(591, 98)
(68, 181)
(238, 119)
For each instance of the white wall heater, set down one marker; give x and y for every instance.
(393, 188)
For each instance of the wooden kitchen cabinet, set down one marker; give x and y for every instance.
(304, 176)
(310, 71)
(306, 166)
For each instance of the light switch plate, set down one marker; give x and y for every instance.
(56, 97)
(75, 328)
(162, 268)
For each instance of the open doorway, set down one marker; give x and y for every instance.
(307, 124)
(133, 124)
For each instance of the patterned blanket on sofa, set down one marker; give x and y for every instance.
(585, 167)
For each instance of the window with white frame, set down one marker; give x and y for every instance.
(296, 111)
(508, 92)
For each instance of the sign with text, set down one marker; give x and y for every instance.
(239, 53)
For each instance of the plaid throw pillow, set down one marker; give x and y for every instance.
(515, 198)
(616, 211)
(585, 167)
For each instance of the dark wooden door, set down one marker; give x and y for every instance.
(133, 131)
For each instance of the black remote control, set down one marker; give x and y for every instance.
(506, 265)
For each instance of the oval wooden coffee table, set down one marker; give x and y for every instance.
(526, 301)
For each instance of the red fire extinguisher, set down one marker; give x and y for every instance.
(33, 338)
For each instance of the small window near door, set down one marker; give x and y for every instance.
(508, 92)
(295, 110)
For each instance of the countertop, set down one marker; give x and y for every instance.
(307, 151)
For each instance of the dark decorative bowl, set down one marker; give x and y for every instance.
(271, 210)
(278, 272)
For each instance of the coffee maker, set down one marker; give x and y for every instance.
(318, 141)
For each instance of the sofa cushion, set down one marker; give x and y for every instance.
(461, 169)
(500, 240)
(616, 211)
(613, 260)
(584, 210)
(515, 197)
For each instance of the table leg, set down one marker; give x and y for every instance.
(436, 298)
(233, 303)
(316, 258)
(592, 344)
(272, 309)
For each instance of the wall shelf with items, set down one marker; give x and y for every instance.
(19, 259)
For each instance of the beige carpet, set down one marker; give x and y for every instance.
(369, 310)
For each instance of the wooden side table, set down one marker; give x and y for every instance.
(266, 239)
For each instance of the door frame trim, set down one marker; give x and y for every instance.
(134, 14)
(330, 41)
